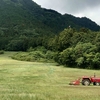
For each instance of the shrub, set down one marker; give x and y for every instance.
(1, 52)
(83, 55)
(39, 54)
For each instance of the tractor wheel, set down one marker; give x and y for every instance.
(86, 82)
(94, 83)
(97, 83)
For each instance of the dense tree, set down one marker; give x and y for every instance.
(97, 41)
(64, 39)
(83, 55)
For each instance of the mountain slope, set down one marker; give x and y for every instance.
(26, 14)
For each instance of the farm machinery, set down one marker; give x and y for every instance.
(85, 80)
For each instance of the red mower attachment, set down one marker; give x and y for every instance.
(76, 82)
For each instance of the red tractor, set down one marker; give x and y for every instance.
(87, 81)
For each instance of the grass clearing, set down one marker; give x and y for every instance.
(20, 80)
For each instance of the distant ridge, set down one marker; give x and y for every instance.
(25, 14)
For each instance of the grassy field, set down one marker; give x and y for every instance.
(20, 80)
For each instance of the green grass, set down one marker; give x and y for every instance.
(20, 80)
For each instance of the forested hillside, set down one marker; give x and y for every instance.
(26, 14)
(24, 25)
(23, 20)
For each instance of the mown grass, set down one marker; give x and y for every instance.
(20, 80)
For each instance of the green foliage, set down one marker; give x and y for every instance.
(64, 39)
(25, 14)
(65, 56)
(74, 48)
(83, 55)
(97, 41)
(39, 54)
(25, 26)
(1, 51)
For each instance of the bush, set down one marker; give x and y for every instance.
(39, 54)
(83, 55)
(1, 52)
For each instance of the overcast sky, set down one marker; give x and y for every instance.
(78, 8)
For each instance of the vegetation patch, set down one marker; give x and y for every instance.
(39, 54)
(83, 55)
(1, 51)
(80, 49)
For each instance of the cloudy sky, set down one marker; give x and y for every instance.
(78, 8)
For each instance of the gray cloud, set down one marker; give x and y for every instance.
(88, 8)
(75, 6)
(69, 5)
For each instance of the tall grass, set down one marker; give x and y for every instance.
(20, 80)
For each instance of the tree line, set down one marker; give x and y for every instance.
(74, 48)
